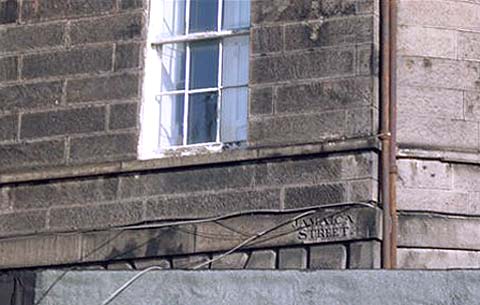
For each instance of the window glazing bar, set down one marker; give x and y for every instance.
(207, 144)
(186, 100)
(234, 87)
(220, 71)
(202, 90)
(200, 36)
(187, 74)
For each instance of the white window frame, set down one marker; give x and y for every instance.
(149, 147)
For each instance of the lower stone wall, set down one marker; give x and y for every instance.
(354, 255)
(439, 214)
(128, 216)
(99, 202)
(346, 236)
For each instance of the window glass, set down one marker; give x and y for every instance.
(203, 15)
(202, 118)
(234, 115)
(173, 21)
(171, 118)
(236, 14)
(197, 70)
(235, 61)
(204, 64)
(173, 67)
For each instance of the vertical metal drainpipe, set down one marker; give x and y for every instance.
(393, 131)
(388, 170)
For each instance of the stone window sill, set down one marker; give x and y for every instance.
(169, 162)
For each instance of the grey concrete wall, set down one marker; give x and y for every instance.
(261, 287)
(438, 134)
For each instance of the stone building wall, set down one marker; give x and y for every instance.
(72, 192)
(314, 71)
(438, 134)
(70, 83)
(70, 185)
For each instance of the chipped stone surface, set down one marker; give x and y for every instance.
(262, 260)
(190, 262)
(120, 266)
(231, 261)
(425, 174)
(147, 263)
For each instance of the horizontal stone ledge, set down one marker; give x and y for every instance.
(342, 224)
(430, 153)
(254, 287)
(227, 156)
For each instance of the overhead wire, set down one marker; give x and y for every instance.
(239, 213)
(245, 242)
(197, 221)
(254, 237)
(223, 217)
(113, 296)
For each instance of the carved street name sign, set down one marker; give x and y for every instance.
(317, 228)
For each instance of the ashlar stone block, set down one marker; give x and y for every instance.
(147, 263)
(231, 261)
(292, 258)
(365, 255)
(190, 262)
(265, 259)
(328, 257)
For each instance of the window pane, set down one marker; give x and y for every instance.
(171, 120)
(234, 115)
(173, 22)
(173, 67)
(202, 118)
(236, 14)
(204, 64)
(235, 61)
(203, 15)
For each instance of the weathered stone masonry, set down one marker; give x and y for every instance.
(438, 134)
(71, 73)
